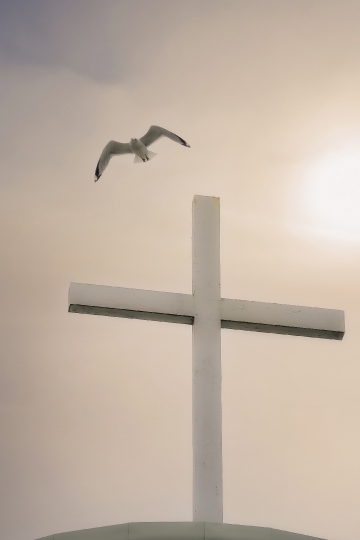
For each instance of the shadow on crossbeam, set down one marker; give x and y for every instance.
(131, 314)
(185, 319)
(287, 330)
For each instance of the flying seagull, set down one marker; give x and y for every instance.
(139, 147)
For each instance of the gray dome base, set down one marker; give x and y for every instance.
(193, 530)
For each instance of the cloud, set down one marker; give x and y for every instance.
(106, 41)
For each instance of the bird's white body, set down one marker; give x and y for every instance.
(139, 147)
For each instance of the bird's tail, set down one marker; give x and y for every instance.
(150, 155)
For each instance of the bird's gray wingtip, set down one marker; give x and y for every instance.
(97, 172)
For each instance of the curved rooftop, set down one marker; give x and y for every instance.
(179, 531)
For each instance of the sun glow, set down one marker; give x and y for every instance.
(330, 193)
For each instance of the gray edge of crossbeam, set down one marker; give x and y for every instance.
(279, 329)
(131, 314)
(183, 319)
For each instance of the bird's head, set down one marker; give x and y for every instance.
(134, 140)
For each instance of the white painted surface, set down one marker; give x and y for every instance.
(208, 313)
(206, 383)
(84, 297)
(328, 321)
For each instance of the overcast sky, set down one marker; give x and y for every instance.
(95, 412)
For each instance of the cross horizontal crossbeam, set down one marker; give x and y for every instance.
(180, 308)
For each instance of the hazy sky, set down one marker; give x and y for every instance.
(95, 412)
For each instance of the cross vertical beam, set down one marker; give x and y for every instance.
(206, 368)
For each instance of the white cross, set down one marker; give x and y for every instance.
(207, 312)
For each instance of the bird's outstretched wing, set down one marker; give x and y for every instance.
(111, 149)
(156, 132)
